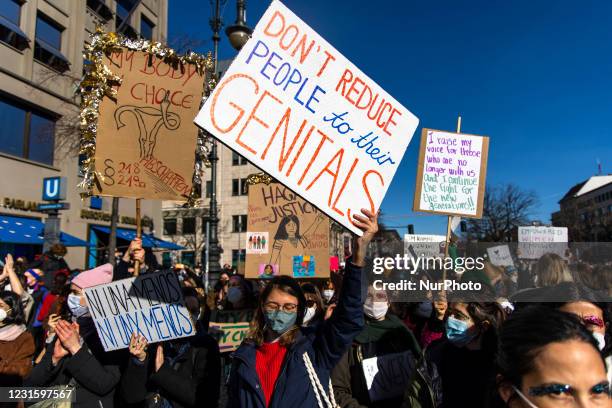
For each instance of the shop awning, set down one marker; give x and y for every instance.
(19, 230)
(148, 240)
(13, 34)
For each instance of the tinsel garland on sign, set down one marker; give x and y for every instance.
(98, 82)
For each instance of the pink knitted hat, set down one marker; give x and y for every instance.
(94, 277)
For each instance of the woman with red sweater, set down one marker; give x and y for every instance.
(282, 364)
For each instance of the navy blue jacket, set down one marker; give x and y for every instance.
(325, 346)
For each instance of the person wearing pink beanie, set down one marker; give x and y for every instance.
(94, 277)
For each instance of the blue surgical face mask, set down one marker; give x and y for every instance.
(457, 332)
(280, 321)
(74, 304)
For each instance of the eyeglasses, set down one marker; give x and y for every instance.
(273, 307)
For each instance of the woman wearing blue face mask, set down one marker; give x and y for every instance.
(464, 358)
(281, 364)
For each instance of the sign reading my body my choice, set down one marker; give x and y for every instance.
(451, 173)
(295, 107)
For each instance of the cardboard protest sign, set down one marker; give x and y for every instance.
(151, 305)
(451, 173)
(537, 241)
(421, 245)
(388, 375)
(228, 335)
(146, 140)
(296, 234)
(298, 109)
(500, 255)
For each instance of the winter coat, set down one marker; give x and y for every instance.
(94, 372)
(192, 380)
(398, 357)
(466, 374)
(324, 345)
(16, 359)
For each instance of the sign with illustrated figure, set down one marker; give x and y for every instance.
(146, 137)
(286, 235)
(295, 107)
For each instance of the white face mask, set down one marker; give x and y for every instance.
(601, 340)
(328, 294)
(3, 315)
(524, 398)
(375, 310)
(309, 314)
(74, 304)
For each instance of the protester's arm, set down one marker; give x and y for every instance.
(202, 387)
(87, 370)
(27, 301)
(341, 382)
(44, 372)
(347, 321)
(9, 266)
(20, 363)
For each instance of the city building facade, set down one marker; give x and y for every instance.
(41, 63)
(586, 209)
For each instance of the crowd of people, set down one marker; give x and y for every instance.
(536, 336)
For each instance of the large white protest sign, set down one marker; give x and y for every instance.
(537, 241)
(298, 109)
(387, 376)
(500, 255)
(451, 173)
(151, 305)
(421, 245)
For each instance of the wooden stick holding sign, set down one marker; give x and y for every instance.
(138, 235)
(449, 218)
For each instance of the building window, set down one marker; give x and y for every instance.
(238, 256)
(123, 11)
(189, 225)
(170, 226)
(239, 223)
(188, 258)
(244, 187)
(10, 18)
(238, 160)
(100, 8)
(48, 44)
(239, 187)
(11, 10)
(235, 187)
(25, 133)
(146, 28)
(208, 188)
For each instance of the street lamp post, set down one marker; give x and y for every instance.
(238, 35)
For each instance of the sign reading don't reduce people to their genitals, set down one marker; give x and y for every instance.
(298, 109)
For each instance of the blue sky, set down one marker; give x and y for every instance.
(534, 76)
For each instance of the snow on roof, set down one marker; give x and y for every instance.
(594, 183)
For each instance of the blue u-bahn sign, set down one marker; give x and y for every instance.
(54, 188)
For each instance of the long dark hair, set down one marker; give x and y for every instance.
(480, 312)
(281, 232)
(16, 315)
(524, 335)
(289, 286)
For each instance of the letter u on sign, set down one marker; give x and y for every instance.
(54, 188)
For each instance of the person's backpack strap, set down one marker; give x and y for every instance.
(318, 388)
